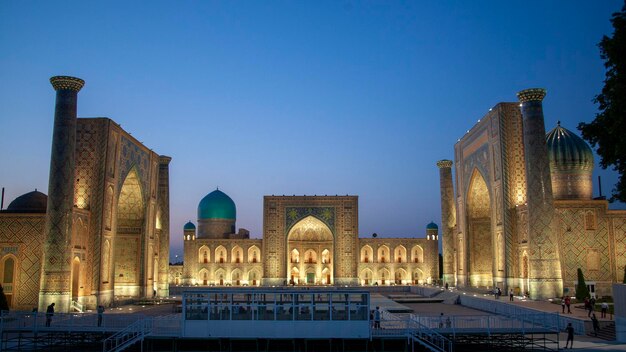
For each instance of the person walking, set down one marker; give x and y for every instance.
(100, 314)
(563, 305)
(49, 314)
(440, 320)
(604, 308)
(568, 303)
(511, 294)
(592, 306)
(377, 318)
(596, 324)
(570, 335)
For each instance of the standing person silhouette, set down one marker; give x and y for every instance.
(100, 314)
(570, 335)
(605, 307)
(377, 318)
(49, 314)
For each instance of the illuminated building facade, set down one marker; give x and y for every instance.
(307, 240)
(523, 217)
(102, 232)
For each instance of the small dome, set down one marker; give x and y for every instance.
(189, 226)
(31, 202)
(217, 205)
(567, 151)
(432, 226)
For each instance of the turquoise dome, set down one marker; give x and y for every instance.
(567, 151)
(432, 226)
(189, 226)
(217, 205)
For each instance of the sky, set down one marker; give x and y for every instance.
(294, 97)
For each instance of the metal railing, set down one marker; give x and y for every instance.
(552, 321)
(394, 325)
(79, 307)
(487, 324)
(127, 337)
(68, 322)
(428, 337)
(166, 325)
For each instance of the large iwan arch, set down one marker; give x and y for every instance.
(312, 237)
(128, 253)
(480, 249)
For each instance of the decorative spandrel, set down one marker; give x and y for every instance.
(295, 214)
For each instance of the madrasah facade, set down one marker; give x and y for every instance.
(102, 232)
(307, 240)
(519, 212)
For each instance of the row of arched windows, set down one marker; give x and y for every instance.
(236, 278)
(383, 254)
(236, 255)
(310, 256)
(385, 277)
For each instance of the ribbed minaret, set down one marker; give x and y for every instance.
(448, 219)
(56, 270)
(189, 254)
(164, 238)
(545, 280)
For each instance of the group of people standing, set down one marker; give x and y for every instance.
(50, 314)
(566, 301)
(497, 292)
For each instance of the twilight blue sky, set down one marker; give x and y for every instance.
(295, 97)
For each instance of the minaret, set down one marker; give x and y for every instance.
(164, 238)
(448, 219)
(56, 271)
(190, 253)
(545, 280)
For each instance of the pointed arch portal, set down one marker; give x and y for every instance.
(480, 248)
(128, 254)
(311, 237)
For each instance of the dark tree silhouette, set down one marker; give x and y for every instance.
(606, 131)
(4, 304)
(582, 291)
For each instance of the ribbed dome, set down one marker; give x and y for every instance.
(432, 226)
(31, 202)
(217, 205)
(189, 226)
(567, 151)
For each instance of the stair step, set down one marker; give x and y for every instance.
(606, 333)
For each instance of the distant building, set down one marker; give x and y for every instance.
(102, 232)
(307, 240)
(522, 216)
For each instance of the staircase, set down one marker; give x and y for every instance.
(607, 332)
(78, 307)
(132, 334)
